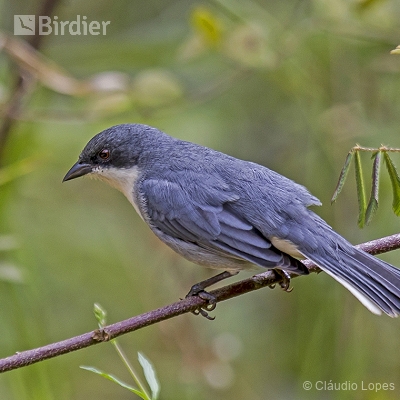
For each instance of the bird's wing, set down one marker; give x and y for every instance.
(204, 215)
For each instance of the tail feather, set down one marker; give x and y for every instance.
(378, 289)
(371, 306)
(373, 281)
(365, 288)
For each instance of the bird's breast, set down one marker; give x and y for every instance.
(123, 179)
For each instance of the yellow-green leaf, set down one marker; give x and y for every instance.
(207, 25)
(362, 203)
(101, 315)
(395, 180)
(150, 375)
(343, 175)
(112, 378)
(373, 200)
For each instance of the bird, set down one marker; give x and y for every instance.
(228, 214)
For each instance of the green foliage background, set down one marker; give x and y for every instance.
(292, 85)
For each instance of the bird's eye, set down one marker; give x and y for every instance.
(104, 154)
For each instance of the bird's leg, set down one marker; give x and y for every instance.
(285, 279)
(199, 290)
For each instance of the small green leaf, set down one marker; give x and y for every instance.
(101, 314)
(373, 200)
(362, 203)
(343, 175)
(114, 379)
(394, 178)
(150, 375)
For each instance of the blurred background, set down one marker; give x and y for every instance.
(292, 85)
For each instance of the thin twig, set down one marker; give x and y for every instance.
(373, 149)
(109, 332)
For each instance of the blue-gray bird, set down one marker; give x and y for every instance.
(221, 212)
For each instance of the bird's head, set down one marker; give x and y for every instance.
(115, 148)
(114, 155)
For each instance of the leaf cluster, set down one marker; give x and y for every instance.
(367, 209)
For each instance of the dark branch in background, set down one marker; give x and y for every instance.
(259, 281)
(23, 81)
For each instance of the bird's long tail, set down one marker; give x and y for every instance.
(374, 282)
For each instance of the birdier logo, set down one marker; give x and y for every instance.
(25, 25)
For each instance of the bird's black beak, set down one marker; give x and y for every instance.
(77, 170)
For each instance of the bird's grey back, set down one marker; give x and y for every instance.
(274, 204)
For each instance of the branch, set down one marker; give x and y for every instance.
(268, 278)
(23, 80)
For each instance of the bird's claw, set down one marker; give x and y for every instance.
(285, 280)
(211, 302)
(203, 313)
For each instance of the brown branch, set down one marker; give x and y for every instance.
(259, 281)
(23, 81)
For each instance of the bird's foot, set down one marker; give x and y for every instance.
(197, 290)
(285, 280)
